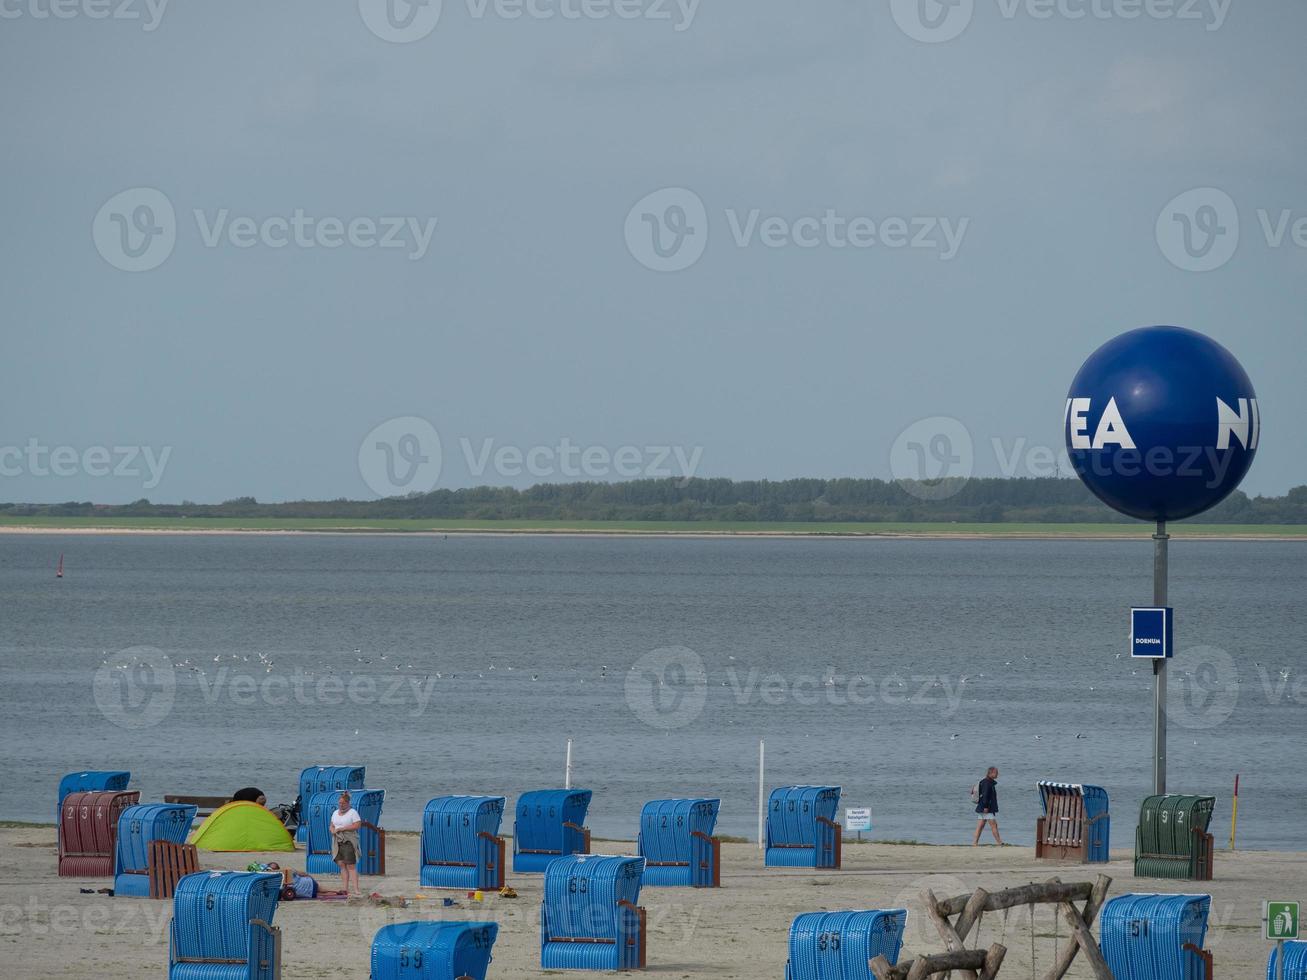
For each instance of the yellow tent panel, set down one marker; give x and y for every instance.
(242, 826)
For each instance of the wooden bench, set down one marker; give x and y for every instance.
(205, 804)
(169, 863)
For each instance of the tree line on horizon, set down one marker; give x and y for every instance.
(981, 500)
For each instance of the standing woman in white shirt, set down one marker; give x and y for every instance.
(345, 822)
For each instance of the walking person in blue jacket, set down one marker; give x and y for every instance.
(986, 797)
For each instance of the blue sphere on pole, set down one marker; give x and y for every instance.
(1161, 423)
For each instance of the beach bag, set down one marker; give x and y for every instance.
(975, 793)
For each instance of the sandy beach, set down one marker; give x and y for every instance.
(739, 932)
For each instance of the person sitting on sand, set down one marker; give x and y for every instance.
(345, 823)
(250, 794)
(987, 806)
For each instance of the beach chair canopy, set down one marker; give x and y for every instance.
(841, 945)
(1143, 937)
(433, 950)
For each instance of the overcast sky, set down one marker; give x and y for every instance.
(983, 187)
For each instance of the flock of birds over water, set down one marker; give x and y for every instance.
(266, 662)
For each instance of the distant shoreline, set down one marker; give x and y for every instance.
(1027, 532)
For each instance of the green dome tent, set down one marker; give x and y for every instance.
(242, 826)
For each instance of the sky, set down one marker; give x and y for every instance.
(312, 250)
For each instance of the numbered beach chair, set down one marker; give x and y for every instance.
(433, 951)
(92, 780)
(591, 918)
(801, 828)
(86, 782)
(461, 846)
(1172, 839)
(549, 824)
(841, 945)
(372, 839)
(1076, 825)
(151, 854)
(321, 779)
(1156, 937)
(88, 831)
(1295, 962)
(677, 843)
(222, 929)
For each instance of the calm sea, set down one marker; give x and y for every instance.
(897, 669)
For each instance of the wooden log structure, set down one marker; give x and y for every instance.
(975, 964)
(1036, 893)
(983, 961)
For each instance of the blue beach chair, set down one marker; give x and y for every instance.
(1155, 937)
(372, 839)
(677, 844)
(461, 846)
(801, 828)
(549, 824)
(433, 951)
(222, 927)
(140, 827)
(320, 779)
(841, 945)
(590, 918)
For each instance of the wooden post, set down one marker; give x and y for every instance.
(1045, 893)
(1093, 905)
(975, 905)
(951, 939)
(881, 967)
(993, 960)
(987, 961)
(1084, 938)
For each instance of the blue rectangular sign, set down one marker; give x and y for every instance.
(1151, 632)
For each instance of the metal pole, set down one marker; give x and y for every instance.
(1279, 959)
(567, 775)
(1160, 540)
(762, 800)
(1234, 811)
